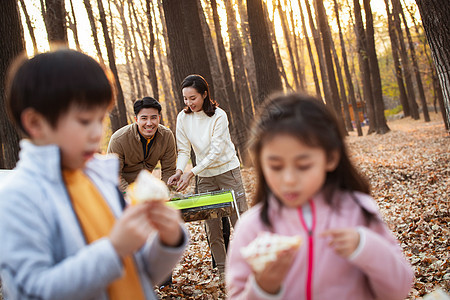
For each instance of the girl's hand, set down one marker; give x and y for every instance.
(166, 220)
(174, 178)
(271, 278)
(131, 230)
(183, 183)
(344, 241)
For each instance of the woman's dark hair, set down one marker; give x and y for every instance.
(307, 119)
(52, 82)
(146, 102)
(201, 86)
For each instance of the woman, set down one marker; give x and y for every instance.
(204, 126)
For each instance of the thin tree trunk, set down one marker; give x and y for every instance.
(381, 124)
(118, 115)
(416, 69)
(73, 27)
(29, 26)
(311, 57)
(237, 54)
(87, 5)
(351, 91)
(398, 70)
(287, 37)
(151, 66)
(364, 66)
(319, 50)
(298, 58)
(405, 63)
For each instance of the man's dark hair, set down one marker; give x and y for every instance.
(52, 82)
(146, 102)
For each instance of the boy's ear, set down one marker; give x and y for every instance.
(33, 123)
(333, 161)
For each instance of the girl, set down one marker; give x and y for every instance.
(307, 186)
(204, 126)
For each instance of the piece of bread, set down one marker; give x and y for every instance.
(147, 187)
(266, 247)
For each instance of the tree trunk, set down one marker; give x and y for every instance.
(319, 50)
(311, 57)
(364, 66)
(151, 66)
(118, 115)
(351, 91)
(287, 37)
(416, 69)
(87, 5)
(326, 40)
(405, 63)
(297, 48)
(55, 23)
(237, 57)
(248, 51)
(272, 37)
(29, 26)
(73, 26)
(398, 69)
(11, 45)
(381, 124)
(436, 23)
(267, 75)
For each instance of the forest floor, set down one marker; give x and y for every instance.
(409, 171)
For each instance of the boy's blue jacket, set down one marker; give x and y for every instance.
(43, 254)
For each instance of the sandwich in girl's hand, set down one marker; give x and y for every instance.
(266, 247)
(147, 188)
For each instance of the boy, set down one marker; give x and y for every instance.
(65, 232)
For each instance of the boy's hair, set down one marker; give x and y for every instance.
(309, 120)
(201, 85)
(52, 82)
(146, 102)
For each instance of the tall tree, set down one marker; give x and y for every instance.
(88, 6)
(267, 75)
(29, 26)
(11, 45)
(311, 57)
(55, 22)
(405, 63)
(381, 124)
(151, 65)
(118, 115)
(397, 67)
(436, 23)
(364, 67)
(416, 69)
(73, 26)
(348, 76)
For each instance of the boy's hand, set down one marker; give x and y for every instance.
(271, 278)
(131, 230)
(344, 241)
(166, 220)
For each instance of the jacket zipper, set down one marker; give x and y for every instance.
(310, 247)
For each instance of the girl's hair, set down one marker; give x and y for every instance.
(307, 119)
(52, 82)
(199, 83)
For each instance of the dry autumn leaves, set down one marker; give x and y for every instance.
(408, 169)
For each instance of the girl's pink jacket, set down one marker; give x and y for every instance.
(377, 270)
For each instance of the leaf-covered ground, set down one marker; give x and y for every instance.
(408, 169)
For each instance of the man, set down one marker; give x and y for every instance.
(143, 144)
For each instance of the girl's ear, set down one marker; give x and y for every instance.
(33, 123)
(333, 160)
(204, 95)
